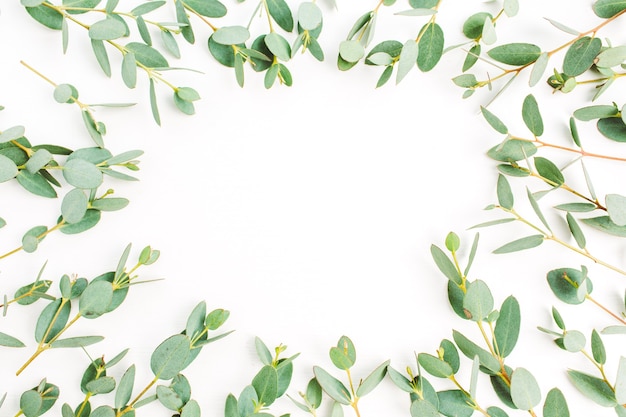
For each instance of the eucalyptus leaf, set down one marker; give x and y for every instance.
(594, 388)
(518, 54)
(332, 386)
(524, 243)
(74, 342)
(555, 404)
(170, 356)
(430, 47)
(580, 55)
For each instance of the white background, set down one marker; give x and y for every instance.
(308, 212)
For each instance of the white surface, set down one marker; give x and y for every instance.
(307, 212)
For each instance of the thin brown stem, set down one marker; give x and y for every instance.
(606, 310)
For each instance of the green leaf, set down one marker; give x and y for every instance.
(52, 320)
(555, 405)
(230, 35)
(478, 301)
(309, 16)
(247, 401)
(596, 112)
(170, 356)
(8, 169)
(493, 121)
(96, 299)
(472, 57)
(608, 8)
(208, 8)
(102, 385)
(147, 55)
(91, 218)
(453, 403)
(191, 409)
(445, 265)
(597, 348)
(565, 283)
(496, 412)
(31, 403)
(343, 355)
(46, 16)
(351, 50)
(262, 351)
(82, 174)
(265, 384)
(576, 207)
(12, 133)
(576, 231)
(435, 366)
(532, 116)
(548, 170)
(10, 341)
(107, 29)
(154, 107)
(580, 56)
(423, 408)
(612, 128)
(505, 196)
(605, 224)
(408, 58)
(142, 27)
(512, 150)
(574, 341)
(74, 342)
(508, 326)
(511, 7)
(279, 46)
(147, 7)
(620, 382)
(125, 388)
(103, 411)
(65, 93)
(473, 26)
(470, 349)
(332, 386)
(594, 388)
(430, 47)
(450, 355)
(129, 70)
(537, 209)
(518, 54)
(525, 391)
(169, 398)
(170, 43)
(280, 12)
(489, 36)
(74, 206)
(101, 56)
(231, 407)
(372, 380)
(527, 242)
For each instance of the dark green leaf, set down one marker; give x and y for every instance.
(423, 408)
(532, 116)
(581, 55)
(125, 388)
(555, 405)
(597, 348)
(470, 349)
(170, 356)
(473, 26)
(565, 283)
(549, 171)
(594, 388)
(576, 231)
(430, 47)
(613, 128)
(36, 184)
(505, 196)
(507, 326)
(608, 8)
(518, 54)
(435, 366)
(10, 341)
(89, 220)
(494, 121)
(46, 16)
(265, 384)
(280, 12)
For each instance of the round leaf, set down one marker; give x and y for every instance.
(170, 356)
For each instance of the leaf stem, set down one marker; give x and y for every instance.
(354, 402)
(41, 236)
(606, 310)
(573, 150)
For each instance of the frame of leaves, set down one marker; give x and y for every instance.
(584, 59)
